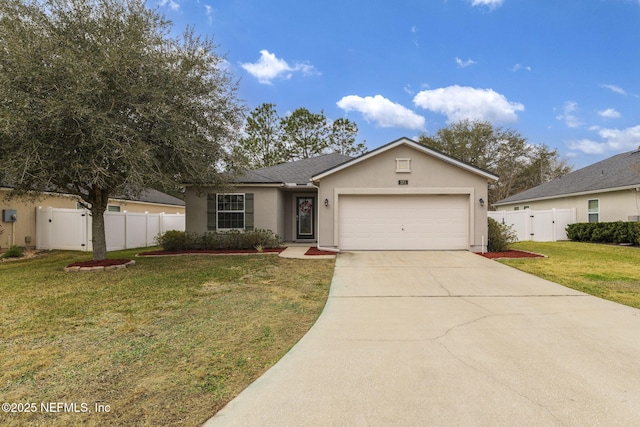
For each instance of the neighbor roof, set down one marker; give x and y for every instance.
(154, 196)
(298, 172)
(411, 143)
(147, 196)
(618, 172)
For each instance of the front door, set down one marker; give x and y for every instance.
(304, 215)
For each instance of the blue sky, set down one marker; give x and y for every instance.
(565, 73)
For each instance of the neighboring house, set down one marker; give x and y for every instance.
(605, 191)
(22, 231)
(401, 196)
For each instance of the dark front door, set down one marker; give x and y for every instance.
(305, 224)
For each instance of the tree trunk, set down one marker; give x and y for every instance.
(98, 239)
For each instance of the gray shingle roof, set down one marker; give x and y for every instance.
(298, 172)
(621, 170)
(154, 196)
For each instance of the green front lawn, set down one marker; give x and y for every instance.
(168, 341)
(607, 271)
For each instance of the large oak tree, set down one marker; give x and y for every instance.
(519, 164)
(98, 99)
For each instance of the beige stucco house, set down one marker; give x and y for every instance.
(401, 196)
(606, 191)
(22, 231)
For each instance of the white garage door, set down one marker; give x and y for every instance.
(425, 222)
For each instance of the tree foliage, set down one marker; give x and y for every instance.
(305, 134)
(504, 152)
(342, 138)
(270, 139)
(263, 142)
(98, 100)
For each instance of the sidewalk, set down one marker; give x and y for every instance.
(298, 252)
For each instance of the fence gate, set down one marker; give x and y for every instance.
(70, 229)
(537, 225)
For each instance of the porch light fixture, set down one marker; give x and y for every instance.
(481, 201)
(326, 202)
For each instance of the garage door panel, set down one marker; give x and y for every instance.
(427, 222)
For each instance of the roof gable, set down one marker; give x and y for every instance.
(617, 172)
(413, 144)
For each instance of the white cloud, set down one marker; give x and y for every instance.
(383, 112)
(462, 102)
(209, 11)
(569, 117)
(614, 88)
(609, 113)
(519, 67)
(464, 64)
(613, 140)
(587, 146)
(270, 67)
(172, 4)
(492, 4)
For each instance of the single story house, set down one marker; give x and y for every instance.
(22, 231)
(606, 191)
(401, 196)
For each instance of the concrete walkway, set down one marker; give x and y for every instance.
(451, 339)
(298, 252)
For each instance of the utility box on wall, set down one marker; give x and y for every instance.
(9, 215)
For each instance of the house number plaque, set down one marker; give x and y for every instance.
(403, 182)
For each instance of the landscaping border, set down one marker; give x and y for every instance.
(109, 264)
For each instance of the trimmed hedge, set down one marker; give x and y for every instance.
(174, 240)
(605, 232)
(500, 236)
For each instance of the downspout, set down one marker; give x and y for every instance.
(319, 246)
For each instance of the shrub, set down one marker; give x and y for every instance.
(174, 240)
(14, 251)
(500, 236)
(179, 240)
(605, 232)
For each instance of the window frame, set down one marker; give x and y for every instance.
(114, 208)
(595, 211)
(234, 211)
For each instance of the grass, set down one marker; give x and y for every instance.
(606, 271)
(168, 341)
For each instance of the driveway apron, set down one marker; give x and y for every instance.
(451, 339)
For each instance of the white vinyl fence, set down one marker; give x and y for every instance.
(537, 225)
(70, 229)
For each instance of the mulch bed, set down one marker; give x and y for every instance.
(316, 251)
(212, 252)
(511, 254)
(100, 263)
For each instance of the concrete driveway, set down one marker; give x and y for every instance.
(451, 339)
